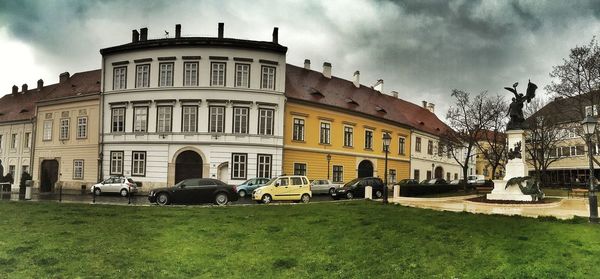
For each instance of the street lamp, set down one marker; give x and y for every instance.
(386, 146)
(328, 160)
(589, 126)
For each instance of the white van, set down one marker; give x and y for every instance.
(473, 179)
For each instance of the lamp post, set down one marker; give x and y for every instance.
(589, 126)
(386, 146)
(328, 161)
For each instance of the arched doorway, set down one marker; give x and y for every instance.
(439, 172)
(188, 165)
(48, 175)
(365, 169)
(223, 171)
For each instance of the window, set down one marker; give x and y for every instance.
(190, 117)
(338, 174)
(440, 151)
(348, 136)
(242, 75)
(264, 165)
(217, 119)
(1, 144)
(418, 144)
(11, 170)
(417, 175)
(24, 169)
(368, 139)
(48, 130)
(392, 176)
(449, 151)
(298, 133)
(140, 119)
(13, 141)
(77, 169)
(138, 163)
(119, 78)
(429, 147)
(64, 129)
(190, 75)
(299, 169)
(448, 176)
(428, 174)
(268, 78)
(142, 77)
(265, 121)
(82, 127)
(580, 150)
(401, 146)
(239, 166)
(163, 124)
(325, 134)
(296, 181)
(240, 120)
(118, 120)
(217, 76)
(591, 112)
(27, 139)
(165, 74)
(455, 176)
(116, 162)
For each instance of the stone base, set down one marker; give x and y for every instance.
(512, 193)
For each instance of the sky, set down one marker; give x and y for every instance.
(422, 49)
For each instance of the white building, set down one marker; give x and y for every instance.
(184, 107)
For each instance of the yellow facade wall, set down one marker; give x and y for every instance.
(314, 154)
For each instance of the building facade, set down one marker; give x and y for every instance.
(66, 142)
(185, 107)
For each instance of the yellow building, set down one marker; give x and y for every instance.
(482, 164)
(334, 129)
(66, 138)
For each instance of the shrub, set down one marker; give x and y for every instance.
(420, 190)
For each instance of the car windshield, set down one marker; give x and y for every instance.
(179, 184)
(352, 182)
(271, 181)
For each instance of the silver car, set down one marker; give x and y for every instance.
(323, 186)
(115, 184)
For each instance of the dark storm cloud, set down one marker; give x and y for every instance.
(422, 49)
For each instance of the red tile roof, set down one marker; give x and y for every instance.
(21, 106)
(80, 84)
(311, 86)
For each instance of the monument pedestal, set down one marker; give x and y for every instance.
(515, 167)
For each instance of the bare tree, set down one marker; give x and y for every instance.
(468, 118)
(492, 142)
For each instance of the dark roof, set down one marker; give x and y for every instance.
(21, 106)
(196, 42)
(311, 86)
(80, 84)
(488, 135)
(567, 110)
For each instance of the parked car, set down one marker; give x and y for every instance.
(115, 184)
(323, 186)
(456, 181)
(356, 188)
(407, 182)
(472, 179)
(284, 188)
(250, 185)
(194, 191)
(435, 181)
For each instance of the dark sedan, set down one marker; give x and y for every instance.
(194, 191)
(356, 188)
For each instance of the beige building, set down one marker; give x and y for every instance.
(66, 142)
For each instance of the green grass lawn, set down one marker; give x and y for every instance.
(358, 239)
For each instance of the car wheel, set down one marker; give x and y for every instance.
(221, 199)
(242, 193)
(305, 198)
(331, 191)
(97, 191)
(349, 195)
(378, 194)
(163, 199)
(266, 199)
(124, 192)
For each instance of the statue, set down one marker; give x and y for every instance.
(516, 152)
(532, 187)
(515, 110)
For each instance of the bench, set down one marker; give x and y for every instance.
(483, 189)
(575, 191)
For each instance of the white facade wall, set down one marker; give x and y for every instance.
(424, 162)
(18, 156)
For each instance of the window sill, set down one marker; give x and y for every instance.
(299, 141)
(325, 144)
(368, 149)
(348, 147)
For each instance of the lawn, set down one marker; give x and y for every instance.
(358, 239)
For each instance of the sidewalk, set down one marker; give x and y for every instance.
(563, 209)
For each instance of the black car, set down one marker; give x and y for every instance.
(407, 182)
(194, 191)
(356, 188)
(434, 181)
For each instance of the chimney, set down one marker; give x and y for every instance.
(15, 89)
(177, 30)
(378, 85)
(144, 34)
(221, 27)
(431, 107)
(356, 79)
(395, 94)
(63, 77)
(275, 35)
(135, 36)
(24, 88)
(40, 84)
(327, 69)
(307, 64)
(424, 104)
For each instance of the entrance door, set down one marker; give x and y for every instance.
(439, 172)
(365, 169)
(49, 175)
(188, 165)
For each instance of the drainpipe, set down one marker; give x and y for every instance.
(101, 119)
(32, 141)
